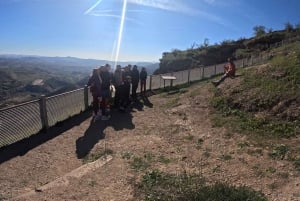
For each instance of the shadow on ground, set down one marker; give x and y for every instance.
(95, 132)
(20, 148)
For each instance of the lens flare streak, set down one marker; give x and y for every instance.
(120, 32)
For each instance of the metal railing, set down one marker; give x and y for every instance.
(24, 120)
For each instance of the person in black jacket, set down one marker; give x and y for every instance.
(105, 91)
(135, 77)
(143, 78)
(126, 86)
(95, 83)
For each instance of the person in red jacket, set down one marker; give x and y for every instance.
(229, 69)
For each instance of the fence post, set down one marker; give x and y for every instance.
(189, 74)
(202, 73)
(150, 84)
(171, 84)
(43, 112)
(215, 69)
(86, 97)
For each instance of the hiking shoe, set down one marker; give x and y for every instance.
(105, 118)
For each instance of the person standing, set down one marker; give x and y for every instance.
(95, 84)
(127, 82)
(135, 77)
(105, 91)
(118, 83)
(143, 79)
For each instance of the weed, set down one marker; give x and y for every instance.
(273, 186)
(139, 164)
(164, 159)
(226, 157)
(283, 175)
(92, 183)
(297, 164)
(126, 155)
(206, 154)
(243, 144)
(200, 141)
(279, 152)
(189, 137)
(149, 157)
(157, 185)
(216, 169)
(255, 152)
(271, 170)
(91, 157)
(257, 171)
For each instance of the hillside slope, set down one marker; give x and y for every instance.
(266, 99)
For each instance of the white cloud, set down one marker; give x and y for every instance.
(170, 5)
(107, 13)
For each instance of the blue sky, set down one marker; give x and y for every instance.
(91, 28)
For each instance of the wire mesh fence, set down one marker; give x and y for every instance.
(24, 120)
(19, 122)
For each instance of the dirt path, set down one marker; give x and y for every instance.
(174, 135)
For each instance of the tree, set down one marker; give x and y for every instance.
(206, 42)
(288, 27)
(259, 30)
(270, 30)
(297, 27)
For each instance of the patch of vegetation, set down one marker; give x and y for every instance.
(164, 159)
(271, 170)
(126, 155)
(267, 100)
(226, 157)
(297, 164)
(273, 186)
(216, 169)
(91, 157)
(189, 137)
(255, 152)
(139, 163)
(279, 152)
(283, 175)
(156, 185)
(206, 154)
(243, 144)
(92, 183)
(258, 171)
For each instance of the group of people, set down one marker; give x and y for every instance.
(103, 83)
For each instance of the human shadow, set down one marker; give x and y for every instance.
(137, 104)
(95, 132)
(147, 101)
(21, 147)
(92, 135)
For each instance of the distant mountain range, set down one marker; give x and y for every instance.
(24, 77)
(69, 63)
